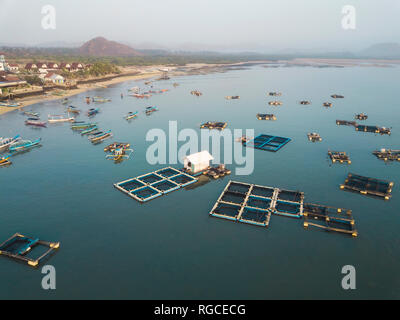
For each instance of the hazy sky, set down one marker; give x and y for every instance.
(266, 25)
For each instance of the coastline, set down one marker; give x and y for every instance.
(82, 88)
(149, 72)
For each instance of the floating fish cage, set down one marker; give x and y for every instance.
(214, 125)
(267, 142)
(314, 137)
(337, 96)
(327, 104)
(20, 247)
(361, 116)
(339, 156)
(196, 93)
(239, 203)
(346, 123)
(329, 219)
(373, 129)
(275, 103)
(254, 204)
(265, 116)
(387, 154)
(305, 102)
(155, 184)
(368, 186)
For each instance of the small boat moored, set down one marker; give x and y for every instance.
(6, 142)
(131, 115)
(24, 145)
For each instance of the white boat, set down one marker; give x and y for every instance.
(134, 89)
(59, 118)
(6, 142)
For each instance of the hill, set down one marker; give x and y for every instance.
(101, 47)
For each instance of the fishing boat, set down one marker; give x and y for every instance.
(89, 130)
(4, 161)
(100, 136)
(140, 96)
(92, 112)
(150, 110)
(119, 154)
(72, 109)
(116, 145)
(10, 105)
(6, 142)
(35, 122)
(24, 144)
(59, 118)
(81, 125)
(31, 113)
(100, 99)
(131, 115)
(134, 90)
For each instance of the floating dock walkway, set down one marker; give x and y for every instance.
(329, 219)
(267, 143)
(368, 186)
(155, 184)
(18, 246)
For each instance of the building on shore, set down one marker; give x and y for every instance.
(52, 78)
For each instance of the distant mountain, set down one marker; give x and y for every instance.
(389, 50)
(102, 47)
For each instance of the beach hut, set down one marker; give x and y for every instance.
(197, 162)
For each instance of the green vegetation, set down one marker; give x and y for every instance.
(33, 80)
(97, 69)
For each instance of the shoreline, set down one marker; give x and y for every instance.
(82, 88)
(149, 72)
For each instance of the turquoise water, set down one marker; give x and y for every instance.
(115, 247)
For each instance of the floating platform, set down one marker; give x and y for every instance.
(254, 204)
(275, 94)
(373, 129)
(329, 219)
(327, 104)
(368, 186)
(305, 102)
(339, 156)
(239, 203)
(155, 184)
(19, 246)
(266, 116)
(267, 143)
(361, 116)
(216, 172)
(387, 154)
(232, 97)
(314, 137)
(214, 125)
(275, 103)
(346, 123)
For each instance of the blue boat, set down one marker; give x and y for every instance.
(24, 145)
(93, 112)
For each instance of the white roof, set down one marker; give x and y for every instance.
(200, 157)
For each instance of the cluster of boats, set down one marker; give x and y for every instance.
(118, 151)
(13, 146)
